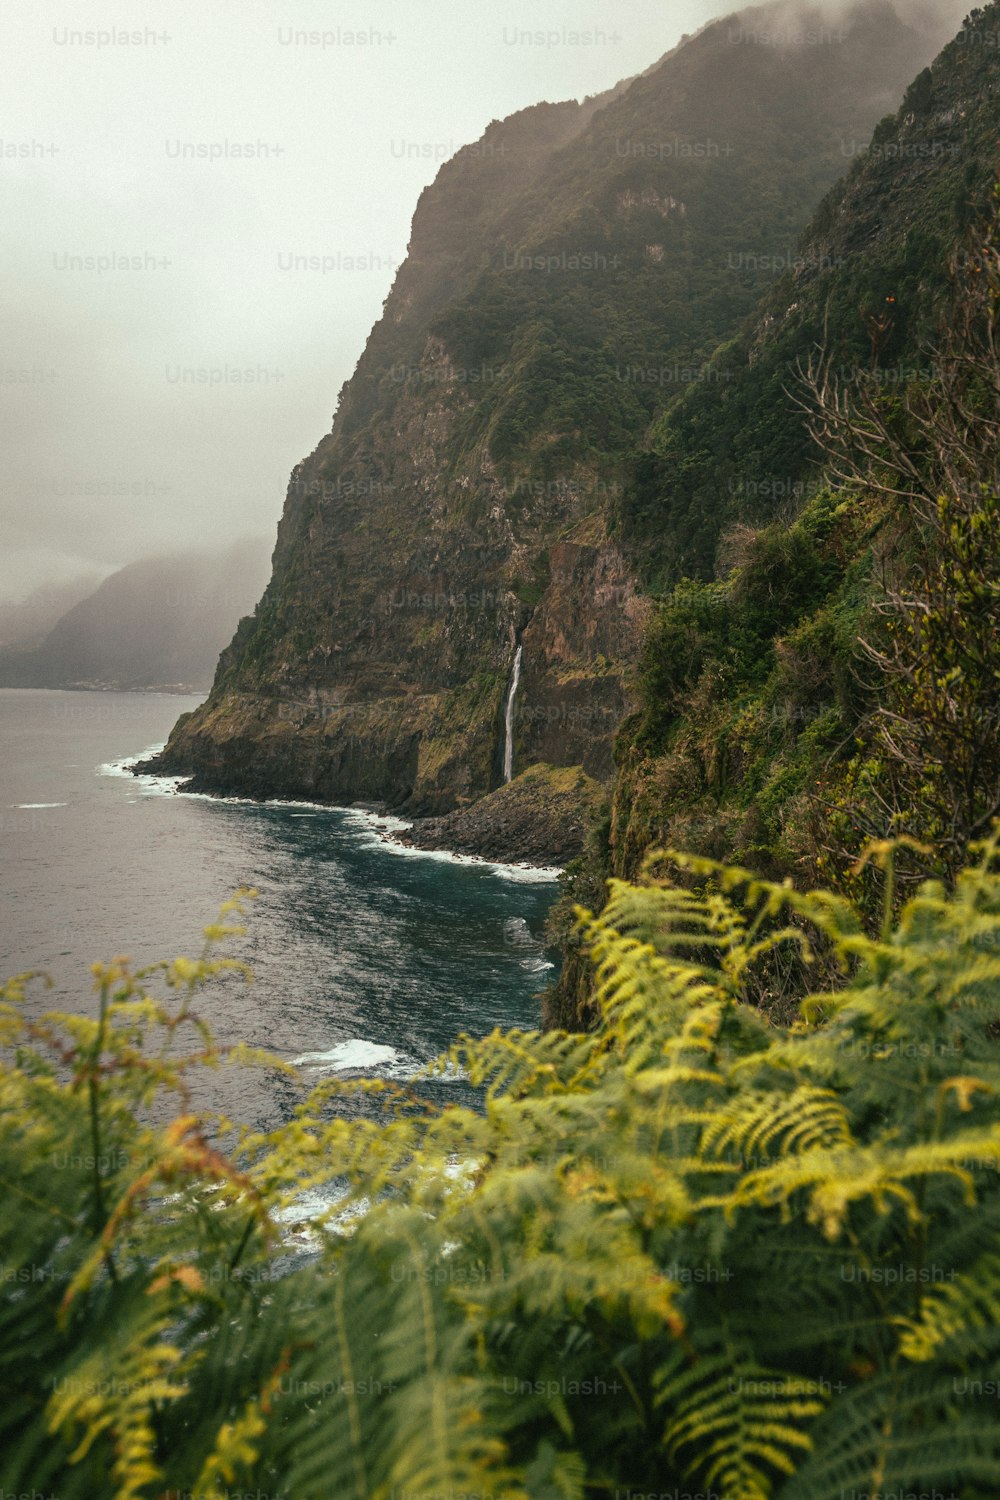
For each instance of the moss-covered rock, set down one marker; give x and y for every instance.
(541, 817)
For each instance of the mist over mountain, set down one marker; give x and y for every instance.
(159, 623)
(938, 20)
(25, 622)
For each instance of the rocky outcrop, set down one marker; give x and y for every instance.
(571, 697)
(540, 818)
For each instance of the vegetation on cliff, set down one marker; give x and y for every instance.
(866, 283)
(580, 1288)
(828, 672)
(840, 681)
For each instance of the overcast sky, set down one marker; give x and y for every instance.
(108, 453)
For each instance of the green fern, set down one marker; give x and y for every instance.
(690, 1249)
(742, 1423)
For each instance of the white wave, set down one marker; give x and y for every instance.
(517, 933)
(26, 805)
(299, 1219)
(123, 767)
(354, 1054)
(536, 965)
(383, 826)
(301, 1228)
(308, 1205)
(148, 785)
(160, 786)
(361, 1056)
(380, 827)
(377, 827)
(529, 874)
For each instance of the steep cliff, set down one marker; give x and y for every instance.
(865, 281)
(567, 277)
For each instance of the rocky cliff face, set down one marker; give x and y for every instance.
(567, 278)
(864, 281)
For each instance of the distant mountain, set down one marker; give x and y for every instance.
(25, 623)
(568, 276)
(160, 623)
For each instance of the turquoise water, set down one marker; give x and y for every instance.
(367, 960)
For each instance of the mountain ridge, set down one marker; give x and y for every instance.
(756, 740)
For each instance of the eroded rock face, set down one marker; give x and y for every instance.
(573, 694)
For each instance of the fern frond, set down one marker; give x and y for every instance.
(763, 1125)
(901, 1434)
(516, 1063)
(964, 1307)
(114, 1390)
(737, 1425)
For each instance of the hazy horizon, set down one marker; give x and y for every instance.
(162, 407)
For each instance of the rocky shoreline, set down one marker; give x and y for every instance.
(539, 819)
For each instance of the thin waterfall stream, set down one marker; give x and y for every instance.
(508, 748)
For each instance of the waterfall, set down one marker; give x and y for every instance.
(508, 718)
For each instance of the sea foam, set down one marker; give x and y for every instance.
(354, 1054)
(377, 830)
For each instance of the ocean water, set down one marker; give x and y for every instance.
(368, 958)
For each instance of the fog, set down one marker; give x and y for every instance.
(161, 371)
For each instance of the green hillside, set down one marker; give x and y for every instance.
(769, 731)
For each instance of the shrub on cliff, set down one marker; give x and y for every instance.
(688, 1251)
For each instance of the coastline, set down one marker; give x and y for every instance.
(403, 836)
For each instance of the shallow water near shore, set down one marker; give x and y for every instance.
(369, 958)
